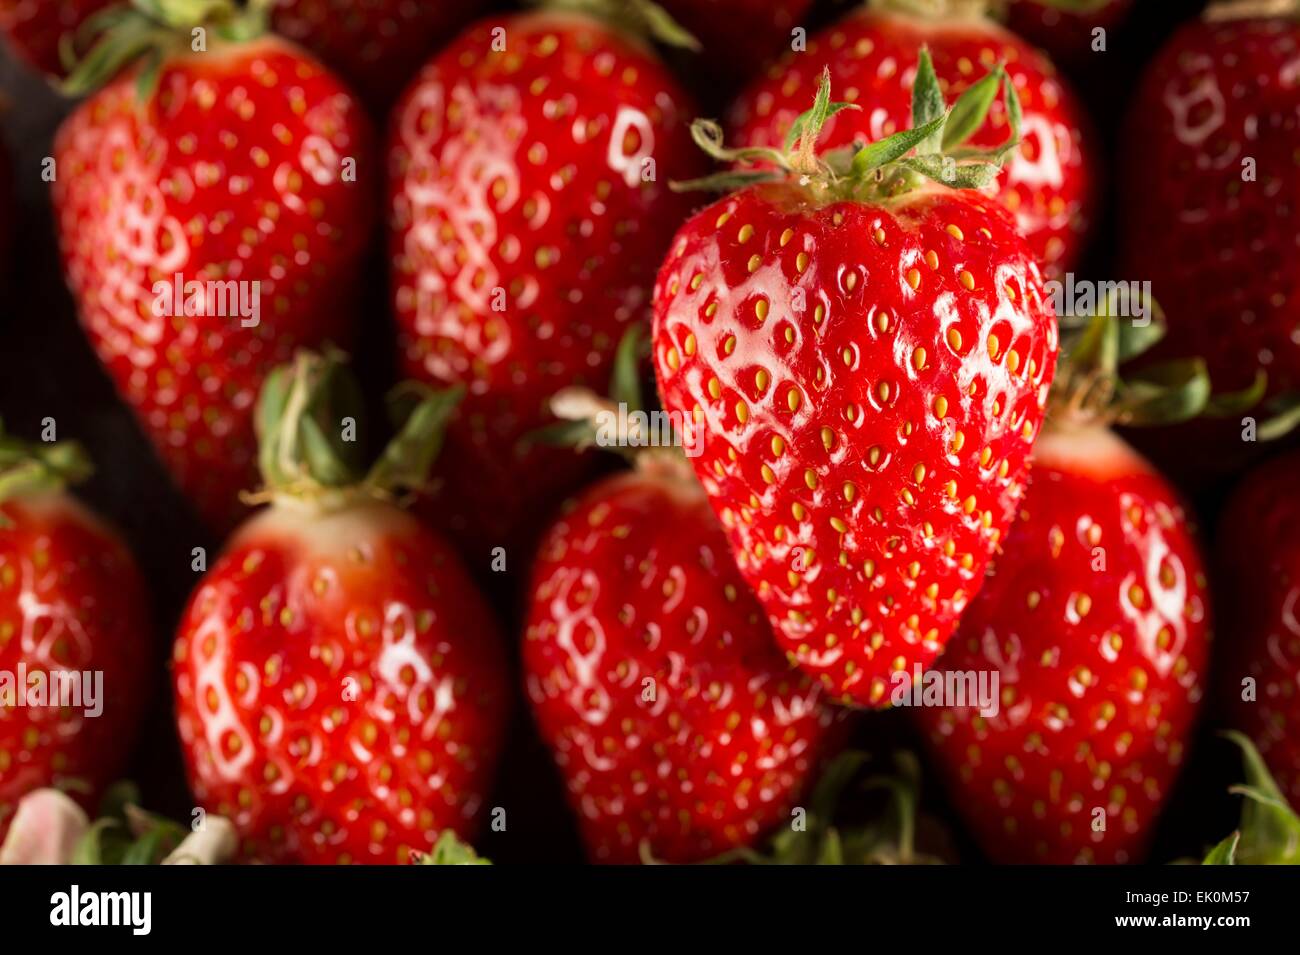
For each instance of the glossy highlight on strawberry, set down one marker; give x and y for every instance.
(678, 727)
(529, 206)
(148, 191)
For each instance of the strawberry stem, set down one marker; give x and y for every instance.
(307, 419)
(640, 18)
(149, 31)
(1225, 10)
(32, 467)
(932, 149)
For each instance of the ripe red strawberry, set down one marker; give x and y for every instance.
(236, 170)
(71, 602)
(1213, 200)
(873, 55)
(35, 28)
(524, 240)
(1094, 623)
(1066, 28)
(340, 689)
(868, 365)
(673, 719)
(376, 45)
(1259, 554)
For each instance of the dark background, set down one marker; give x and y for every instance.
(48, 369)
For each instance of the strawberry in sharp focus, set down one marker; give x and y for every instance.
(867, 355)
(1259, 557)
(234, 166)
(340, 685)
(1095, 625)
(678, 726)
(873, 55)
(529, 206)
(72, 604)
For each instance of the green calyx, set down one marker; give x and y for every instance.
(1269, 833)
(932, 150)
(449, 850)
(124, 834)
(936, 9)
(28, 467)
(1224, 10)
(639, 18)
(148, 31)
(885, 835)
(618, 423)
(307, 422)
(1090, 388)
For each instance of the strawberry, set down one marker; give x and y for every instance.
(234, 173)
(72, 604)
(376, 45)
(529, 204)
(868, 357)
(36, 28)
(340, 687)
(680, 730)
(1259, 553)
(1213, 202)
(873, 55)
(1092, 631)
(1066, 29)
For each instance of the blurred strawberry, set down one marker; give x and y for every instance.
(243, 171)
(36, 28)
(680, 730)
(340, 688)
(1091, 636)
(529, 207)
(1259, 557)
(72, 605)
(1048, 183)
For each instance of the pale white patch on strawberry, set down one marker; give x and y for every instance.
(628, 164)
(45, 830)
(215, 843)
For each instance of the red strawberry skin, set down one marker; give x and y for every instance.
(1219, 251)
(521, 171)
(864, 454)
(35, 28)
(873, 56)
(376, 45)
(340, 688)
(1259, 555)
(1096, 619)
(71, 598)
(634, 583)
(230, 172)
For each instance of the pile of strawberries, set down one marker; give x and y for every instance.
(901, 390)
